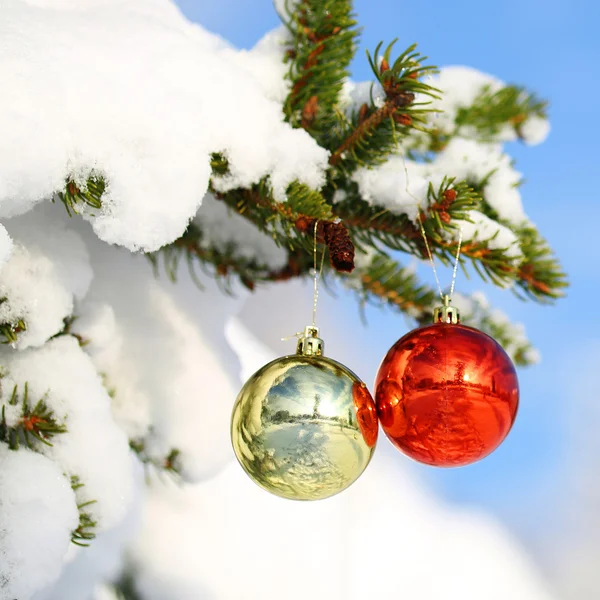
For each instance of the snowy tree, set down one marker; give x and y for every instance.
(151, 177)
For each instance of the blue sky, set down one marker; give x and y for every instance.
(550, 46)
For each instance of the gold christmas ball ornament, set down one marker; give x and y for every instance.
(304, 427)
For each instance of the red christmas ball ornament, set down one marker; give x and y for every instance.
(446, 394)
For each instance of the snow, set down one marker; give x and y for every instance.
(535, 130)
(265, 63)
(37, 515)
(356, 93)
(474, 161)
(496, 236)
(86, 570)
(94, 448)
(397, 185)
(6, 246)
(167, 381)
(48, 270)
(165, 96)
(460, 86)
(225, 229)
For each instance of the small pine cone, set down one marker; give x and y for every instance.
(384, 66)
(445, 217)
(341, 248)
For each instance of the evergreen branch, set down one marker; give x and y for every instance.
(171, 464)
(371, 135)
(370, 224)
(36, 423)
(10, 331)
(492, 111)
(85, 531)
(125, 587)
(302, 209)
(222, 262)
(540, 275)
(366, 126)
(76, 197)
(282, 221)
(383, 281)
(219, 164)
(324, 38)
(68, 330)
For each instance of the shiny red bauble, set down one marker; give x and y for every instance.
(446, 394)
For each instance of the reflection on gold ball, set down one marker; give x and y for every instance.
(304, 427)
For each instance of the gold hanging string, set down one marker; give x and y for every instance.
(316, 278)
(427, 246)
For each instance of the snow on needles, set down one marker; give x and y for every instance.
(144, 101)
(226, 230)
(35, 528)
(49, 269)
(93, 449)
(460, 87)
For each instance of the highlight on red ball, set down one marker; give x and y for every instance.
(446, 395)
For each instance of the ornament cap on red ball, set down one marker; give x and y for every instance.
(446, 394)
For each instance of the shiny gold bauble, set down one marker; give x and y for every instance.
(304, 427)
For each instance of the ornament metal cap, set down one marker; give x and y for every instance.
(446, 313)
(310, 344)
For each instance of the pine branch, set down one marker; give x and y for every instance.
(125, 587)
(539, 275)
(35, 423)
(492, 111)
(170, 464)
(76, 197)
(372, 132)
(290, 224)
(10, 331)
(384, 282)
(224, 264)
(370, 224)
(324, 37)
(68, 330)
(85, 531)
